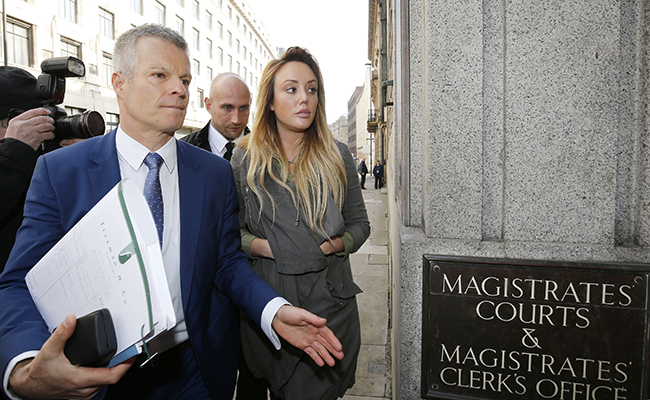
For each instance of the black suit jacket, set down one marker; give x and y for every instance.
(199, 138)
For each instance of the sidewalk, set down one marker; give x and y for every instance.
(370, 270)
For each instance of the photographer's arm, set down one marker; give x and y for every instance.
(50, 374)
(31, 127)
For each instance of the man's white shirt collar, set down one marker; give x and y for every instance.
(135, 152)
(217, 141)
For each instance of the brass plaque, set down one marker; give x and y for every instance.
(521, 329)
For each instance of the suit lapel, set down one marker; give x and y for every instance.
(191, 186)
(104, 171)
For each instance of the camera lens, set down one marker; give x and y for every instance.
(82, 126)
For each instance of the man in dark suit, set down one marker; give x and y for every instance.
(229, 107)
(362, 169)
(207, 272)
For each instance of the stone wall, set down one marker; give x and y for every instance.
(524, 129)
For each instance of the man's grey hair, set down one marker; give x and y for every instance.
(124, 55)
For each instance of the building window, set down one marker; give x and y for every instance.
(230, 13)
(230, 39)
(220, 3)
(230, 63)
(74, 110)
(180, 25)
(18, 43)
(107, 69)
(238, 45)
(220, 30)
(136, 5)
(208, 20)
(238, 68)
(112, 121)
(195, 9)
(199, 95)
(209, 72)
(220, 56)
(195, 38)
(196, 67)
(68, 10)
(180, 3)
(208, 47)
(106, 23)
(160, 13)
(238, 20)
(70, 48)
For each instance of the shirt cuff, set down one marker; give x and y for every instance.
(246, 241)
(268, 314)
(348, 242)
(10, 368)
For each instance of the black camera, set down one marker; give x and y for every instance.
(50, 89)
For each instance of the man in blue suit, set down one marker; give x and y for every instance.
(207, 272)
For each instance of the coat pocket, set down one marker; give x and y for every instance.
(342, 287)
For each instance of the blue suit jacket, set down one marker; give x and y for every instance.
(215, 273)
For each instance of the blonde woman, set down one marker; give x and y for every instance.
(301, 215)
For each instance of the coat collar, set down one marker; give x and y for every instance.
(104, 171)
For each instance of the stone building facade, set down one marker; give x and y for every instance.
(339, 129)
(223, 35)
(352, 120)
(517, 130)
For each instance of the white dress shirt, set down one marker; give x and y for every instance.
(131, 155)
(217, 141)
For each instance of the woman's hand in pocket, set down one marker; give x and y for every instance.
(334, 245)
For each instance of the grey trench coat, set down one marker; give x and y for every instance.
(307, 278)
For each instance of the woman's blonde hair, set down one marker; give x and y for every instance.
(319, 169)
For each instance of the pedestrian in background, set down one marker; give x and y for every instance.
(378, 173)
(363, 171)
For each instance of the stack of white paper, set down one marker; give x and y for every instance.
(110, 259)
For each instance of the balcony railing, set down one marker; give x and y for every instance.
(372, 121)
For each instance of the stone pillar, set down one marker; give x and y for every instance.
(521, 132)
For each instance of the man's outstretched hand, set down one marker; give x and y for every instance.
(308, 332)
(50, 374)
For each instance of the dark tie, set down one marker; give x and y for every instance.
(153, 191)
(229, 147)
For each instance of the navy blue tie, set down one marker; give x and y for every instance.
(153, 191)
